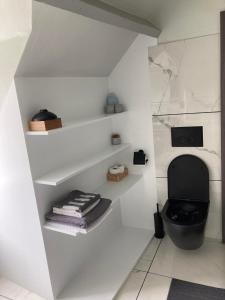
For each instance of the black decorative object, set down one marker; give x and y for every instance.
(140, 158)
(187, 136)
(159, 231)
(44, 115)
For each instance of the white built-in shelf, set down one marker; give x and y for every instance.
(76, 124)
(114, 190)
(64, 173)
(102, 275)
(110, 190)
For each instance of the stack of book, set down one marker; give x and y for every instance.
(79, 210)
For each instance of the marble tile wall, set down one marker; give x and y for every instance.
(185, 91)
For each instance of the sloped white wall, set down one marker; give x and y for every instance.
(15, 27)
(15, 18)
(76, 45)
(130, 81)
(22, 255)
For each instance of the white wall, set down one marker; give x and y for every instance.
(15, 27)
(182, 19)
(15, 18)
(70, 98)
(77, 46)
(130, 81)
(22, 255)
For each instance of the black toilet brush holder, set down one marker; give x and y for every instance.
(159, 230)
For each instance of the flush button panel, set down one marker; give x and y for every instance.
(187, 136)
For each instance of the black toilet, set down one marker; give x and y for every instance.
(186, 210)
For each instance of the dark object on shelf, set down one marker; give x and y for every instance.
(159, 231)
(45, 125)
(44, 115)
(110, 109)
(119, 108)
(115, 139)
(140, 158)
(187, 136)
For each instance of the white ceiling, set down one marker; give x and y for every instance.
(66, 44)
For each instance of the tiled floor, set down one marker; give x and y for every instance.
(10, 290)
(161, 262)
(152, 275)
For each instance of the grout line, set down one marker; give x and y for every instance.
(160, 275)
(5, 297)
(148, 270)
(137, 271)
(191, 113)
(189, 38)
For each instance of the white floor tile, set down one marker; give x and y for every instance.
(148, 255)
(143, 265)
(155, 288)
(12, 290)
(131, 288)
(204, 266)
(32, 296)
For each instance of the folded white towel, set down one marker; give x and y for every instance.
(72, 212)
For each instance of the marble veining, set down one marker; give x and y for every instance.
(187, 74)
(185, 91)
(172, 122)
(213, 152)
(210, 152)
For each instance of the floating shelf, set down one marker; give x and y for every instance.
(102, 276)
(110, 190)
(75, 124)
(114, 190)
(62, 174)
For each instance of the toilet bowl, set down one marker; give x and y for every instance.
(186, 210)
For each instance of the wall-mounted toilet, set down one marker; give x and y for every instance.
(186, 210)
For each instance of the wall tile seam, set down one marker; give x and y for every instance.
(190, 38)
(191, 113)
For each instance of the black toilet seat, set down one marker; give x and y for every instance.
(186, 212)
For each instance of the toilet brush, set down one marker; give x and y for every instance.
(159, 231)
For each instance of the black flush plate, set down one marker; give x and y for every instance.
(187, 136)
